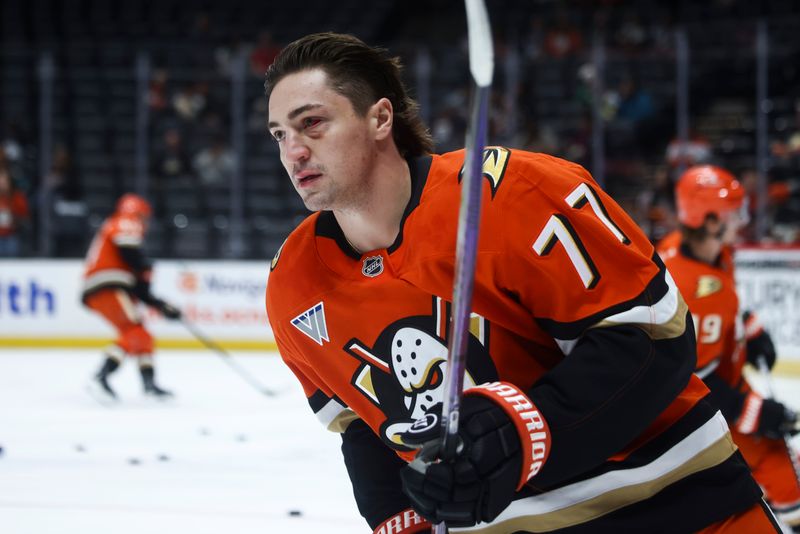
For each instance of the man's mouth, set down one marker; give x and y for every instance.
(305, 178)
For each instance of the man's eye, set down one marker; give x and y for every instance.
(278, 136)
(310, 121)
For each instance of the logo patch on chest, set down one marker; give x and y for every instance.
(707, 285)
(373, 266)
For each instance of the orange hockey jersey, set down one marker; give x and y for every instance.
(570, 302)
(710, 293)
(105, 265)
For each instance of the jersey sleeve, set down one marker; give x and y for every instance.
(591, 279)
(374, 470)
(330, 410)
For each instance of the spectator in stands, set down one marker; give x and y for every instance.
(562, 38)
(263, 54)
(635, 102)
(157, 96)
(787, 150)
(12, 154)
(226, 54)
(657, 206)
(216, 163)
(61, 194)
(191, 101)
(14, 216)
(170, 163)
(171, 160)
(631, 36)
(695, 150)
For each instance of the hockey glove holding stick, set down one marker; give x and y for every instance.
(405, 522)
(766, 417)
(503, 442)
(759, 342)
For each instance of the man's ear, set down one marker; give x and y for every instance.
(382, 115)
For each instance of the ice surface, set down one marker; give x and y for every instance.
(237, 462)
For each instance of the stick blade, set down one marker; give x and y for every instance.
(481, 48)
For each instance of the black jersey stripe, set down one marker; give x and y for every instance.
(655, 290)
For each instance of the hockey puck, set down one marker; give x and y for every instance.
(163, 458)
(295, 513)
(1, 451)
(241, 437)
(134, 461)
(204, 432)
(80, 448)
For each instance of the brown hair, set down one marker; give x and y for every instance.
(361, 73)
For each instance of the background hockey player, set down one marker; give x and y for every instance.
(711, 209)
(116, 279)
(576, 322)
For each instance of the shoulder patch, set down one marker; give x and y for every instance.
(495, 161)
(277, 256)
(312, 323)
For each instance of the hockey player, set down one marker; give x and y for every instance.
(116, 278)
(711, 209)
(581, 412)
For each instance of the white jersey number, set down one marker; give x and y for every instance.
(558, 229)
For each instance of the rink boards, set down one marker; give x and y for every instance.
(40, 302)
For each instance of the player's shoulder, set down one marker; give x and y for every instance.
(520, 169)
(294, 251)
(668, 247)
(295, 266)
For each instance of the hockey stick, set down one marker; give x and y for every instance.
(481, 66)
(790, 449)
(227, 358)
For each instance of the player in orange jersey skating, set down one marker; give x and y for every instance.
(711, 209)
(116, 278)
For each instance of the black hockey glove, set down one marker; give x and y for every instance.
(167, 310)
(759, 342)
(776, 420)
(503, 441)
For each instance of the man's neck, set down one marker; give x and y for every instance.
(376, 222)
(707, 250)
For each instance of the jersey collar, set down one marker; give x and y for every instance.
(327, 226)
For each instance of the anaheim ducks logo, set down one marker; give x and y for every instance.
(276, 257)
(707, 285)
(403, 371)
(495, 161)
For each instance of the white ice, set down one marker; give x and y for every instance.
(236, 461)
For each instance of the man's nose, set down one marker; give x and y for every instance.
(296, 149)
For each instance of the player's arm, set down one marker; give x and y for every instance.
(749, 412)
(373, 467)
(591, 279)
(620, 375)
(134, 257)
(374, 473)
(759, 343)
(597, 287)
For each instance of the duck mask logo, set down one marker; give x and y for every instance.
(403, 372)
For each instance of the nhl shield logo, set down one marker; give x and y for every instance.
(373, 266)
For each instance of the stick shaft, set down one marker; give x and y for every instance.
(481, 66)
(227, 358)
